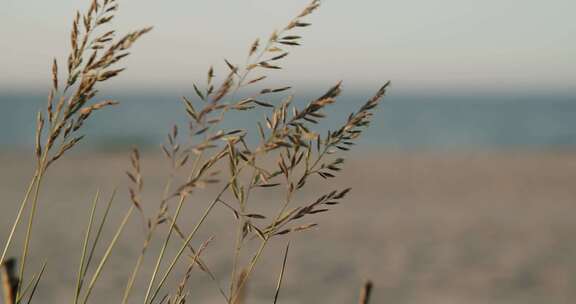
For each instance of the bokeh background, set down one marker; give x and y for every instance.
(463, 186)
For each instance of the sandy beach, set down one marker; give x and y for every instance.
(494, 227)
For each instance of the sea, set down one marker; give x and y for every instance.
(404, 121)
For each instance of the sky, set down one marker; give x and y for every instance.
(421, 45)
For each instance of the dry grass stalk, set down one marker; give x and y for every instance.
(365, 293)
(287, 138)
(241, 298)
(92, 59)
(9, 281)
(181, 293)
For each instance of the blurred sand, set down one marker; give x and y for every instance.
(426, 227)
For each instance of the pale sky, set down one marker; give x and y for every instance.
(418, 44)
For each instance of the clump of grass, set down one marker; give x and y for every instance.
(289, 154)
(94, 57)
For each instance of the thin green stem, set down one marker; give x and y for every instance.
(263, 244)
(36, 283)
(163, 249)
(147, 241)
(27, 288)
(18, 217)
(132, 279)
(237, 249)
(238, 244)
(281, 275)
(28, 237)
(107, 254)
(204, 266)
(251, 266)
(187, 241)
(172, 225)
(81, 268)
(99, 232)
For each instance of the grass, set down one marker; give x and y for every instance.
(287, 156)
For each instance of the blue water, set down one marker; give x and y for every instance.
(404, 121)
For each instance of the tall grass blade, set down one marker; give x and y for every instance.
(187, 241)
(82, 269)
(107, 254)
(17, 220)
(33, 292)
(99, 233)
(281, 276)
